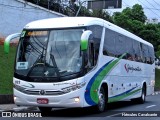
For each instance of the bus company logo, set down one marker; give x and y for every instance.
(129, 68)
(42, 92)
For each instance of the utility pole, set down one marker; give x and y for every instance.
(80, 6)
(48, 4)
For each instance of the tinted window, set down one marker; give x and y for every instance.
(96, 39)
(116, 44)
(109, 43)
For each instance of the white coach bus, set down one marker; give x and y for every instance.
(80, 62)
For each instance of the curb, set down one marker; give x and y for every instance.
(156, 93)
(6, 99)
(23, 108)
(17, 109)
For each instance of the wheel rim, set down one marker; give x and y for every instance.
(101, 104)
(143, 95)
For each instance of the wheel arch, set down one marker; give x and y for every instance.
(145, 87)
(105, 86)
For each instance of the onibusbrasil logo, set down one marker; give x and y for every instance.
(130, 68)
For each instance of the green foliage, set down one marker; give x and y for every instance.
(157, 80)
(133, 20)
(121, 20)
(137, 13)
(158, 53)
(101, 14)
(6, 70)
(151, 33)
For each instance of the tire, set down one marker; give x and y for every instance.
(141, 99)
(101, 106)
(45, 109)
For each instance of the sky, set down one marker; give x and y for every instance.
(151, 7)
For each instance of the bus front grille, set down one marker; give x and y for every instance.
(43, 92)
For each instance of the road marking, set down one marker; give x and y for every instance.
(150, 106)
(114, 115)
(20, 108)
(1, 110)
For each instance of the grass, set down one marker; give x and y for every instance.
(158, 53)
(6, 70)
(157, 81)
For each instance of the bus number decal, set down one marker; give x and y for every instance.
(17, 82)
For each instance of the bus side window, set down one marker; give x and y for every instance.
(109, 42)
(129, 57)
(95, 41)
(92, 53)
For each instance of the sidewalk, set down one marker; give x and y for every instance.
(7, 106)
(13, 107)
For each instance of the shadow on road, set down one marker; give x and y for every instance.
(89, 112)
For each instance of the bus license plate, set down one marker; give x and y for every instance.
(42, 100)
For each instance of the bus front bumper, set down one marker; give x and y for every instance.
(68, 100)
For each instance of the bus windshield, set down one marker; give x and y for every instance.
(49, 53)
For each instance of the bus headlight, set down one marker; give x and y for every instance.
(19, 88)
(77, 100)
(73, 88)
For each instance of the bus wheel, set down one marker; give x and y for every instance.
(45, 109)
(143, 96)
(141, 99)
(102, 100)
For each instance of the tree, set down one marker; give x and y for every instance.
(101, 14)
(137, 13)
(135, 26)
(151, 33)
(133, 19)
(121, 20)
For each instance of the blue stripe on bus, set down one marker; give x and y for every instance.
(91, 81)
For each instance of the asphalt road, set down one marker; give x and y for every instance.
(116, 111)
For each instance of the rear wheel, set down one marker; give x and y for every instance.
(141, 99)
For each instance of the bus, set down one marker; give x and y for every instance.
(70, 62)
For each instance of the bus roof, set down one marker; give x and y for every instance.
(65, 22)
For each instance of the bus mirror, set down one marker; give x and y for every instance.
(8, 40)
(84, 39)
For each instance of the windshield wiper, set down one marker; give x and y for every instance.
(40, 58)
(54, 63)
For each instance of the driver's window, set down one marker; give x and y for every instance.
(91, 53)
(94, 43)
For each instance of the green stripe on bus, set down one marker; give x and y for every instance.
(118, 98)
(101, 76)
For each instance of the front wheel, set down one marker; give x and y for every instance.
(100, 107)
